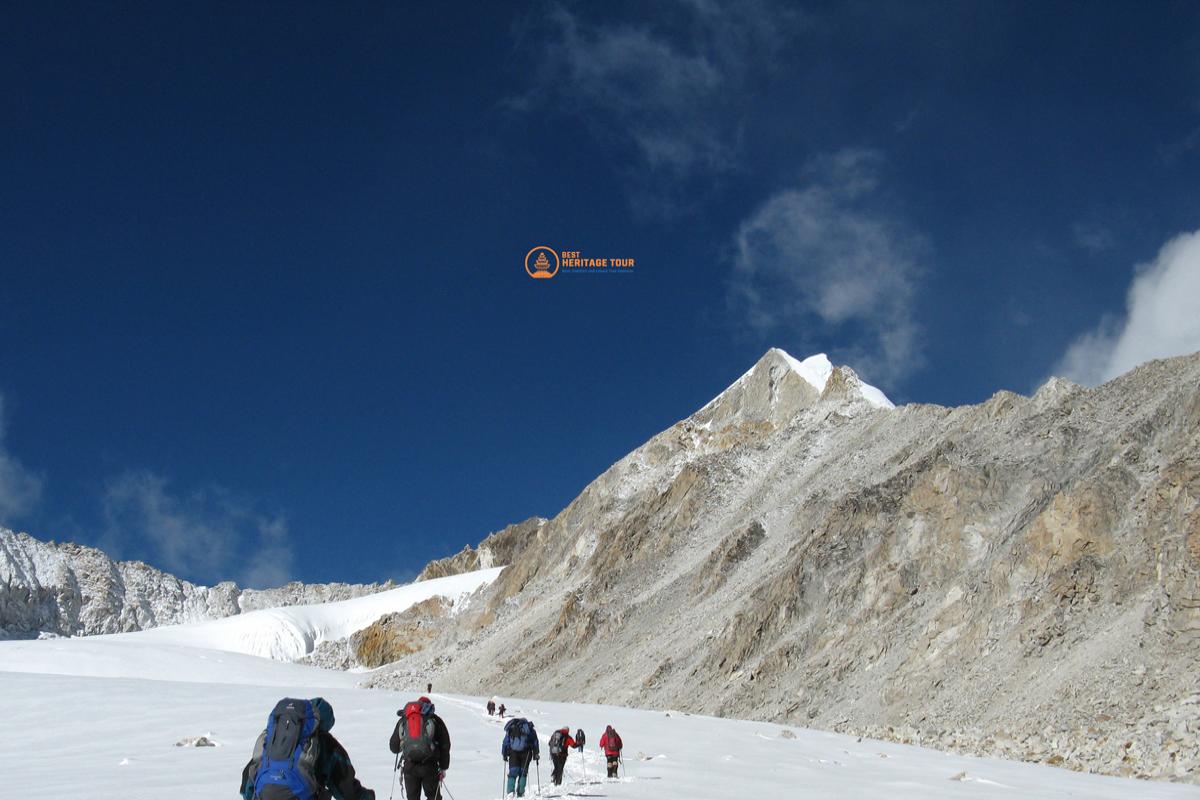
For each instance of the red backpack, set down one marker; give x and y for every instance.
(417, 735)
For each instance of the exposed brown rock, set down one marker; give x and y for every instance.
(396, 635)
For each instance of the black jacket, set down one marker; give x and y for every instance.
(441, 740)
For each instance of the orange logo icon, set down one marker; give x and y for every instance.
(541, 266)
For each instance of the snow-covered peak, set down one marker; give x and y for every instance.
(815, 369)
(779, 386)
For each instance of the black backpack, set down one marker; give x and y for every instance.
(556, 743)
(580, 739)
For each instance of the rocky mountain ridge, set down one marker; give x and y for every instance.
(68, 589)
(1019, 577)
(497, 549)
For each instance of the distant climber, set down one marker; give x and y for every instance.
(501, 710)
(560, 744)
(519, 749)
(491, 707)
(422, 746)
(297, 758)
(611, 744)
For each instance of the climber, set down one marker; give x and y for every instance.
(560, 744)
(520, 747)
(297, 757)
(611, 744)
(422, 746)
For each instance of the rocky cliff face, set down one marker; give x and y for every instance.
(1019, 577)
(68, 589)
(498, 549)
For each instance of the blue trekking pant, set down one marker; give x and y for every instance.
(518, 773)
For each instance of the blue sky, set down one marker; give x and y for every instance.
(263, 312)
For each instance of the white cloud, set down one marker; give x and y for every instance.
(205, 534)
(668, 98)
(827, 258)
(1160, 320)
(20, 488)
(270, 563)
(649, 86)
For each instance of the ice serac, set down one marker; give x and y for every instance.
(1018, 578)
(294, 632)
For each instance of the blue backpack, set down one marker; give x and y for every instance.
(520, 733)
(285, 770)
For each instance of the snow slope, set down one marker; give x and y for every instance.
(99, 718)
(124, 657)
(291, 632)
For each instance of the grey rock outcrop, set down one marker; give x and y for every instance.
(500, 548)
(68, 589)
(1019, 577)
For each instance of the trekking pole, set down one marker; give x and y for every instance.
(444, 786)
(395, 767)
(538, 763)
(503, 778)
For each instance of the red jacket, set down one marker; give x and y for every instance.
(610, 743)
(567, 741)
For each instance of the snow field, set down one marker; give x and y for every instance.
(103, 735)
(99, 718)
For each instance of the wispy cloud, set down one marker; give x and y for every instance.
(207, 533)
(270, 562)
(20, 487)
(1184, 145)
(667, 99)
(829, 258)
(905, 123)
(1093, 237)
(1160, 318)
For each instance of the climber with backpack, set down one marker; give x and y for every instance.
(560, 743)
(297, 758)
(422, 747)
(520, 747)
(611, 744)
